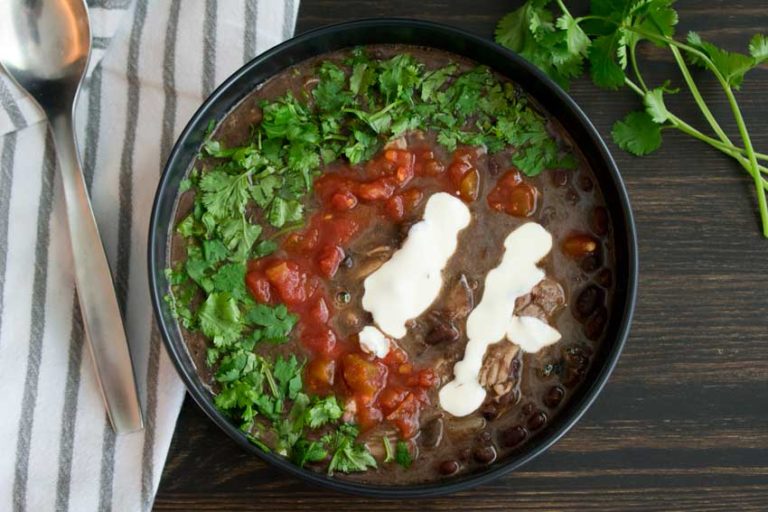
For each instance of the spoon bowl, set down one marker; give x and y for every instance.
(45, 46)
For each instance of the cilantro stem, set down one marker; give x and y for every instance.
(761, 199)
(591, 17)
(635, 67)
(674, 44)
(693, 132)
(270, 379)
(563, 8)
(729, 149)
(697, 96)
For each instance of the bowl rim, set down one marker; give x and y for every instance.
(197, 389)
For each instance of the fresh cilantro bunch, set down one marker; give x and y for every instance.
(605, 42)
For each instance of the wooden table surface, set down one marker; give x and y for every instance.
(683, 421)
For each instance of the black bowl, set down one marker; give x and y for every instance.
(420, 33)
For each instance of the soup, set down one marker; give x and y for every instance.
(390, 265)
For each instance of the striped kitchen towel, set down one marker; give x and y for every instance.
(58, 449)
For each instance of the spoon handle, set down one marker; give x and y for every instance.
(101, 314)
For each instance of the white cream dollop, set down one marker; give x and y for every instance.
(406, 285)
(531, 334)
(493, 319)
(373, 341)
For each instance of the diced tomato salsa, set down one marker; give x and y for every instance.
(297, 274)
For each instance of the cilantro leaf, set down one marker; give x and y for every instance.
(239, 235)
(305, 451)
(276, 322)
(654, 105)
(284, 211)
(434, 80)
(230, 278)
(398, 77)
(577, 41)
(224, 193)
(287, 374)
(731, 65)
(323, 411)
(219, 318)
(348, 456)
(403, 455)
(603, 66)
(637, 133)
(758, 48)
(361, 79)
(214, 251)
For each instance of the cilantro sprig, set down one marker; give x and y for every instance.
(605, 41)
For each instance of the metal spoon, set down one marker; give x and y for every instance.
(44, 47)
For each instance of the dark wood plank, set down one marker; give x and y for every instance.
(683, 423)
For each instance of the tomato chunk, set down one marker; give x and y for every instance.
(365, 378)
(289, 281)
(395, 208)
(513, 196)
(391, 398)
(321, 340)
(320, 312)
(368, 416)
(343, 200)
(376, 190)
(425, 378)
(406, 416)
(329, 259)
(259, 287)
(320, 374)
(340, 229)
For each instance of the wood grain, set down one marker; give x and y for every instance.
(683, 423)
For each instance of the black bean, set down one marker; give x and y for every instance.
(528, 409)
(484, 437)
(442, 331)
(572, 196)
(604, 278)
(554, 396)
(588, 301)
(432, 433)
(448, 467)
(494, 167)
(559, 178)
(594, 327)
(599, 221)
(513, 436)
(537, 421)
(585, 183)
(490, 411)
(548, 216)
(485, 454)
(573, 376)
(591, 263)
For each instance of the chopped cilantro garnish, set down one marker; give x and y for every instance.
(389, 454)
(348, 456)
(403, 455)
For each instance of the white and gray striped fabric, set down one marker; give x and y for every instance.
(153, 63)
